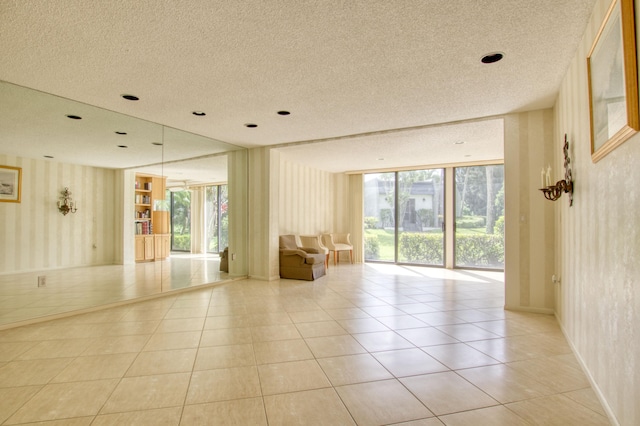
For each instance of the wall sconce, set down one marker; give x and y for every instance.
(66, 204)
(553, 192)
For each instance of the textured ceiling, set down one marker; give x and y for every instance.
(341, 68)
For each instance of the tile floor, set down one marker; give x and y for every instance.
(85, 287)
(366, 344)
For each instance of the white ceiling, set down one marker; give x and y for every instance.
(369, 79)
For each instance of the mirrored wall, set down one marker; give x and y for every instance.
(120, 172)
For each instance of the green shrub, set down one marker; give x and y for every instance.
(479, 250)
(415, 247)
(371, 247)
(370, 222)
(181, 242)
(471, 222)
(471, 250)
(498, 228)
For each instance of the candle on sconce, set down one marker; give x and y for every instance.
(549, 175)
(542, 178)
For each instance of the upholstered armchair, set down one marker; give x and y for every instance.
(300, 263)
(337, 243)
(315, 242)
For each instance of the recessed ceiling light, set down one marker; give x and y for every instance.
(131, 97)
(458, 142)
(251, 125)
(380, 159)
(74, 117)
(156, 143)
(490, 58)
(48, 156)
(283, 113)
(468, 155)
(199, 113)
(122, 146)
(120, 133)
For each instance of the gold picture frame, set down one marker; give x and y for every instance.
(613, 81)
(10, 184)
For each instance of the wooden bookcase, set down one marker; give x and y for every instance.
(152, 233)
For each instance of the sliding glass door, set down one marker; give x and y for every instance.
(404, 214)
(216, 218)
(181, 220)
(479, 236)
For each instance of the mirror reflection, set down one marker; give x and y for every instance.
(152, 207)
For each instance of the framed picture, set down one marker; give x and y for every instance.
(10, 184)
(613, 81)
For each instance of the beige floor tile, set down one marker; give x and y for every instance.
(193, 312)
(432, 421)
(164, 341)
(292, 376)
(159, 417)
(239, 412)
(65, 400)
(459, 355)
(223, 385)
(347, 313)
(327, 346)
(223, 337)
(31, 372)
(383, 402)
(409, 362)
(11, 399)
(426, 336)
(445, 393)
(10, 350)
(320, 328)
(561, 374)
(227, 321)
(116, 345)
(269, 333)
(97, 367)
(504, 383)
(281, 351)
(213, 357)
(467, 332)
(148, 392)
(321, 407)
(382, 311)
(439, 318)
(494, 416)
(502, 327)
(309, 316)
(382, 341)
(351, 369)
(163, 362)
(270, 318)
(362, 325)
(556, 410)
(180, 325)
(133, 328)
(588, 398)
(401, 322)
(57, 349)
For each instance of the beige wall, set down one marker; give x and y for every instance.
(35, 236)
(529, 218)
(599, 247)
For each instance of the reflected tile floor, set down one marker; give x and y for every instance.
(81, 288)
(364, 345)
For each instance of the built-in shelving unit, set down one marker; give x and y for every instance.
(151, 219)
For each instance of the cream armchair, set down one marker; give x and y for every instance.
(299, 263)
(315, 242)
(337, 243)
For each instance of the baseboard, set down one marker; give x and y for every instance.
(529, 309)
(585, 370)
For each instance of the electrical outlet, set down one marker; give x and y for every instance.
(42, 281)
(233, 256)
